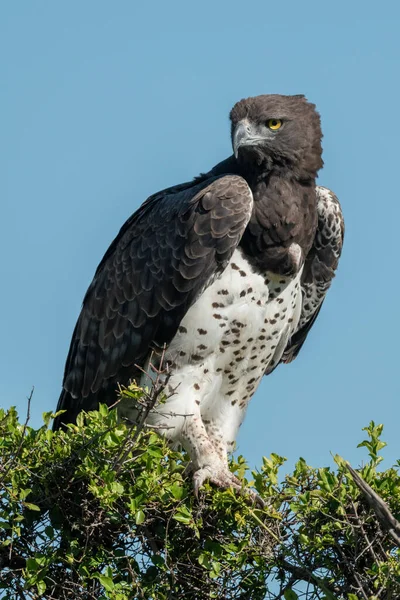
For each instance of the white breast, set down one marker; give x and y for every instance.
(226, 341)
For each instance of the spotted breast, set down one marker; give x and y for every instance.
(237, 329)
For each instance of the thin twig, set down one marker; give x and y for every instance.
(28, 416)
(156, 390)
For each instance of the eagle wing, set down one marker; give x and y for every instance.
(319, 268)
(164, 256)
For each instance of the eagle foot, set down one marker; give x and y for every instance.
(223, 478)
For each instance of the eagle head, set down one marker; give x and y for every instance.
(272, 131)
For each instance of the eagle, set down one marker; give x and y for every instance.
(223, 275)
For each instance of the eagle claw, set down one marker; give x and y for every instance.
(223, 478)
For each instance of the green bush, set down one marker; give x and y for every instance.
(104, 511)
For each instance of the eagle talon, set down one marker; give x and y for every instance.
(224, 479)
(221, 478)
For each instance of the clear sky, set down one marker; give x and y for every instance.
(103, 103)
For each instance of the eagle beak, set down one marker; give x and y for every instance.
(245, 135)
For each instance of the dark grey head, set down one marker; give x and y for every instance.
(277, 132)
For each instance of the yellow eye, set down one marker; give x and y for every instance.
(274, 124)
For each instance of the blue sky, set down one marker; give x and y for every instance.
(104, 103)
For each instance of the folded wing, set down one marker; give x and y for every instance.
(170, 250)
(320, 266)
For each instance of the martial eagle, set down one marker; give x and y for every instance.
(227, 272)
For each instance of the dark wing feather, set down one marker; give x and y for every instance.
(163, 257)
(320, 266)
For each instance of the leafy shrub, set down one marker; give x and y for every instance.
(105, 511)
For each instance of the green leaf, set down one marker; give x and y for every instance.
(155, 451)
(204, 561)
(289, 594)
(103, 410)
(216, 569)
(32, 566)
(49, 531)
(31, 506)
(140, 517)
(183, 515)
(41, 587)
(303, 538)
(177, 491)
(47, 416)
(117, 488)
(106, 582)
(24, 493)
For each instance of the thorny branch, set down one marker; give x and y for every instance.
(385, 517)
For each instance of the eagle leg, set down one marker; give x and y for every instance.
(181, 421)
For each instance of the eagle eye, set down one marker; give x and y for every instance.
(274, 124)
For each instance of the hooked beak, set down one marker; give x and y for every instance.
(245, 134)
